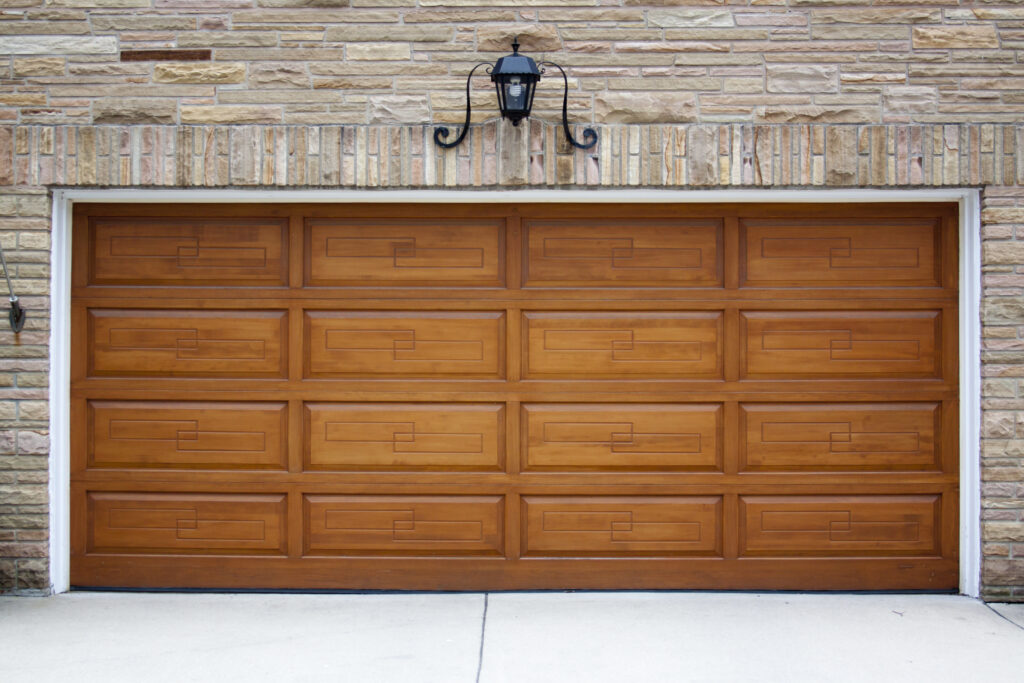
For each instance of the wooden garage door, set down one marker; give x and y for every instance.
(509, 397)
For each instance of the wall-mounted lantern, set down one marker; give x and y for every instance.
(15, 316)
(515, 77)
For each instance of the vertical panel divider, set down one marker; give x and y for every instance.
(731, 257)
(296, 522)
(731, 438)
(732, 342)
(296, 436)
(513, 252)
(513, 344)
(514, 357)
(513, 525)
(296, 251)
(731, 526)
(513, 437)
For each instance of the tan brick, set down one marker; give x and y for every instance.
(377, 52)
(230, 114)
(645, 107)
(957, 37)
(198, 72)
(39, 66)
(532, 37)
(377, 33)
(134, 110)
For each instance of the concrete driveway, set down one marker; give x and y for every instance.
(521, 637)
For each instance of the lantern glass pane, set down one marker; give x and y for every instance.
(516, 93)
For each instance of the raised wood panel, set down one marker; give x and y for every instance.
(655, 526)
(579, 436)
(841, 252)
(623, 345)
(186, 523)
(610, 253)
(425, 252)
(835, 526)
(178, 343)
(148, 251)
(404, 436)
(181, 434)
(403, 525)
(781, 344)
(836, 437)
(405, 344)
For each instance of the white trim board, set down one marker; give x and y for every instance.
(969, 323)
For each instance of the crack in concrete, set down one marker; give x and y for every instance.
(483, 631)
(1000, 615)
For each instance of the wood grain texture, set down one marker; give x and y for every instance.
(126, 251)
(596, 253)
(183, 434)
(587, 436)
(429, 253)
(484, 397)
(404, 436)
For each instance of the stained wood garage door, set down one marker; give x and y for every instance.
(507, 397)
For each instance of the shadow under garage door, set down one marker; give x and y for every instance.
(507, 397)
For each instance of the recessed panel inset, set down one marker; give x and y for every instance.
(856, 344)
(404, 436)
(404, 525)
(606, 253)
(209, 251)
(182, 434)
(405, 344)
(610, 526)
(838, 252)
(186, 343)
(836, 437)
(424, 252)
(621, 437)
(186, 523)
(668, 345)
(839, 526)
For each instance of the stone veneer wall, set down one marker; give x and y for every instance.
(691, 94)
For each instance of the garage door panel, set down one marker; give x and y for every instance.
(842, 344)
(405, 344)
(839, 252)
(655, 526)
(827, 526)
(408, 252)
(147, 251)
(182, 343)
(515, 396)
(617, 345)
(182, 523)
(180, 434)
(404, 525)
(405, 436)
(836, 437)
(566, 437)
(613, 253)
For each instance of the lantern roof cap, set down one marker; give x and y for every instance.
(515, 64)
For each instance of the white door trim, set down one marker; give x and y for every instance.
(969, 323)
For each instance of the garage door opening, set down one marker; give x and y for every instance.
(488, 397)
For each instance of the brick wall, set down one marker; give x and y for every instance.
(405, 61)
(690, 94)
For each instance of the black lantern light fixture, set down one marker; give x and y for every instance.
(515, 77)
